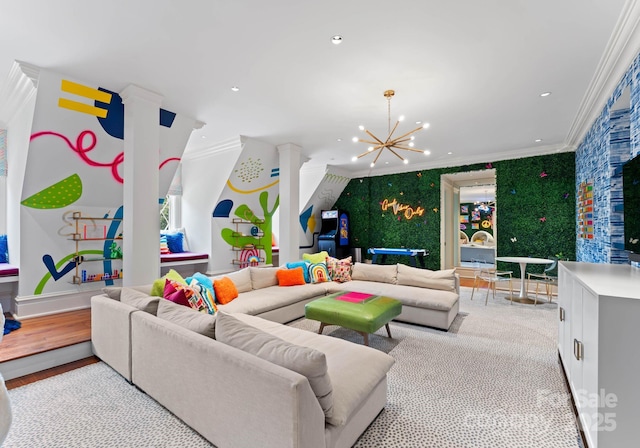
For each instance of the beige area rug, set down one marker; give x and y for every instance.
(493, 381)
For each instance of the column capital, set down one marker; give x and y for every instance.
(132, 92)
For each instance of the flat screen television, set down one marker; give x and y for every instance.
(631, 198)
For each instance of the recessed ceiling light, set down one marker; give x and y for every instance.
(545, 94)
(339, 140)
(418, 122)
(449, 153)
(336, 40)
(203, 136)
(235, 89)
(538, 140)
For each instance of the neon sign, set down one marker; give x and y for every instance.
(408, 211)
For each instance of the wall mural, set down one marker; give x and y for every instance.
(74, 165)
(242, 227)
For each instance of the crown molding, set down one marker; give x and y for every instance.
(203, 152)
(132, 92)
(21, 84)
(460, 161)
(618, 56)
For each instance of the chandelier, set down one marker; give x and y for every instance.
(403, 142)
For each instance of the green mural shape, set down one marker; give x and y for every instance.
(264, 224)
(58, 195)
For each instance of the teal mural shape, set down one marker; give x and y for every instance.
(245, 213)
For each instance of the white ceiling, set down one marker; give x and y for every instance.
(473, 69)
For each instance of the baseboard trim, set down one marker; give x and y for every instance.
(46, 360)
(46, 304)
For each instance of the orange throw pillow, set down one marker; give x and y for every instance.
(225, 290)
(290, 277)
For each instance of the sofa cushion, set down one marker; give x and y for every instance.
(188, 318)
(424, 278)
(225, 290)
(318, 257)
(339, 270)
(263, 277)
(355, 370)
(139, 300)
(274, 297)
(304, 360)
(434, 299)
(203, 280)
(290, 277)
(305, 268)
(204, 301)
(318, 273)
(241, 279)
(375, 273)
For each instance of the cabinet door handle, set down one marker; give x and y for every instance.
(578, 349)
(562, 317)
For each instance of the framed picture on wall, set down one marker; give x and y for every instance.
(464, 209)
(475, 215)
(464, 218)
(475, 225)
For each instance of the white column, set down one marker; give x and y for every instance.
(289, 202)
(141, 235)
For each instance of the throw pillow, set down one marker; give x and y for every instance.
(263, 277)
(185, 244)
(207, 297)
(203, 280)
(305, 268)
(444, 279)
(174, 293)
(225, 290)
(187, 318)
(4, 249)
(164, 248)
(139, 300)
(339, 270)
(319, 273)
(316, 258)
(158, 286)
(290, 277)
(174, 241)
(306, 361)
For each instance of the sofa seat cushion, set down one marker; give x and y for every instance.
(355, 370)
(262, 300)
(433, 299)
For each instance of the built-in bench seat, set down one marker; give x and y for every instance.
(181, 258)
(8, 273)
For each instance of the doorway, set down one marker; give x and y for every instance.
(468, 208)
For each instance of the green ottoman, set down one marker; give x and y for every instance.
(361, 312)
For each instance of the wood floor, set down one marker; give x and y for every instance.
(41, 334)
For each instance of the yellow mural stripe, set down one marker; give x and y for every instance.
(87, 92)
(81, 107)
(237, 190)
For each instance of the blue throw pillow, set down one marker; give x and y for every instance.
(174, 241)
(204, 281)
(4, 249)
(305, 268)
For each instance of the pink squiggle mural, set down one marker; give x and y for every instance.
(81, 148)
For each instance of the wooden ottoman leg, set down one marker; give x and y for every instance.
(322, 325)
(365, 336)
(388, 330)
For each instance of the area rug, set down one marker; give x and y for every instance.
(493, 380)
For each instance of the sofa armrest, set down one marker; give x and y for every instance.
(457, 282)
(111, 333)
(221, 391)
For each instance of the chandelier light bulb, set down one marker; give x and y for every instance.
(372, 165)
(354, 139)
(411, 144)
(413, 137)
(361, 127)
(425, 126)
(370, 148)
(405, 161)
(426, 152)
(354, 158)
(401, 118)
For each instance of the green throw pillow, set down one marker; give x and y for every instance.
(320, 257)
(158, 286)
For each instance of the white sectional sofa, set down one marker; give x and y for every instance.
(235, 398)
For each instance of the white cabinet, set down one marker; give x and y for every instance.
(598, 336)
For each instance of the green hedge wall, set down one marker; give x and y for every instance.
(518, 214)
